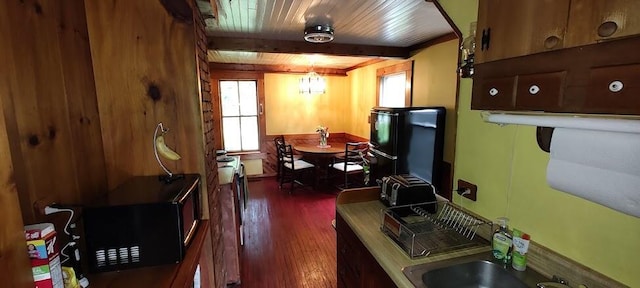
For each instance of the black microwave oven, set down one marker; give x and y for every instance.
(145, 221)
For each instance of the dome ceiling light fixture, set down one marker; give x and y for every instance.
(318, 33)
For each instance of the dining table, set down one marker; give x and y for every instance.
(315, 149)
(321, 157)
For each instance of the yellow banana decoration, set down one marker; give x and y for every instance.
(165, 151)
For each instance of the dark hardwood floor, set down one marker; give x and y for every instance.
(289, 240)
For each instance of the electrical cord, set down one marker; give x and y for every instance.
(462, 191)
(83, 281)
(511, 168)
(67, 257)
(50, 210)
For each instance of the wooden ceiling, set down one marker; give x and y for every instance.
(270, 32)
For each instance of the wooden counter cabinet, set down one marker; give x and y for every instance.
(232, 204)
(356, 266)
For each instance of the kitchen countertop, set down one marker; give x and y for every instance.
(226, 170)
(363, 214)
(361, 210)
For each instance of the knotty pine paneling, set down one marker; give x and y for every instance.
(50, 103)
(14, 263)
(145, 72)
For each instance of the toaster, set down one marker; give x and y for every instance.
(405, 189)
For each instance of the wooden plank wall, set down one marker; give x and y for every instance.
(50, 103)
(15, 269)
(50, 129)
(145, 73)
(82, 89)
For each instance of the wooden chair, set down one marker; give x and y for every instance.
(292, 168)
(351, 162)
(279, 142)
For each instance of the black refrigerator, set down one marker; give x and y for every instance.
(407, 141)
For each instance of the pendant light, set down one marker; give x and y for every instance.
(312, 83)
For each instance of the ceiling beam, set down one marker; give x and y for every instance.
(179, 9)
(276, 68)
(444, 13)
(366, 63)
(301, 47)
(434, 41)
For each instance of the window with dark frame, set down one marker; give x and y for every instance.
(394, 85)
(239, 111)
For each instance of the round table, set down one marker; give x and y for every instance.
(320, 157)
(316, 149)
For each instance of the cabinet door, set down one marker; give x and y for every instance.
(373, 276)
(517, 28)
(540, 92)
(348, 255)
(593, 21)
(613, 89)
(493, 93)
(356, 266)
(349, 264)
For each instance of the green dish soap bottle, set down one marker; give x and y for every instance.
(501, 241)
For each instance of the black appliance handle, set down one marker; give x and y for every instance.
(486, 39)
(380, 153)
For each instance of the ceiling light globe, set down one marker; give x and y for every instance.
(318, 34)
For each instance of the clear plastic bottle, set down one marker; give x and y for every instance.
(502, 241)
(468, 48)
(520, 247)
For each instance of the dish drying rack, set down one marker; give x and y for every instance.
(420, 233)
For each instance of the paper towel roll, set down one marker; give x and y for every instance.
(600, 166)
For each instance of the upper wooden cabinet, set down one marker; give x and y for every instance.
(508, 28)
(592, 68)
(593, 21)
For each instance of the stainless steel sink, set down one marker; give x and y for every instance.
(480, 273)
(470, 271)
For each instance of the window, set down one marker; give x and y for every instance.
(394, 85)
(240, 121)
(392, 89)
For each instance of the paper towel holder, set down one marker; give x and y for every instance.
(588, 122)
(612, 168)
(546, 122)
(543, 137)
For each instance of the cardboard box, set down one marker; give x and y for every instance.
(44, 254)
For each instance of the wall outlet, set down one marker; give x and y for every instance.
(464, 186)
(40, 204)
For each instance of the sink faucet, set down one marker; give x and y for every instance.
(551, 285)
(556, 282)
